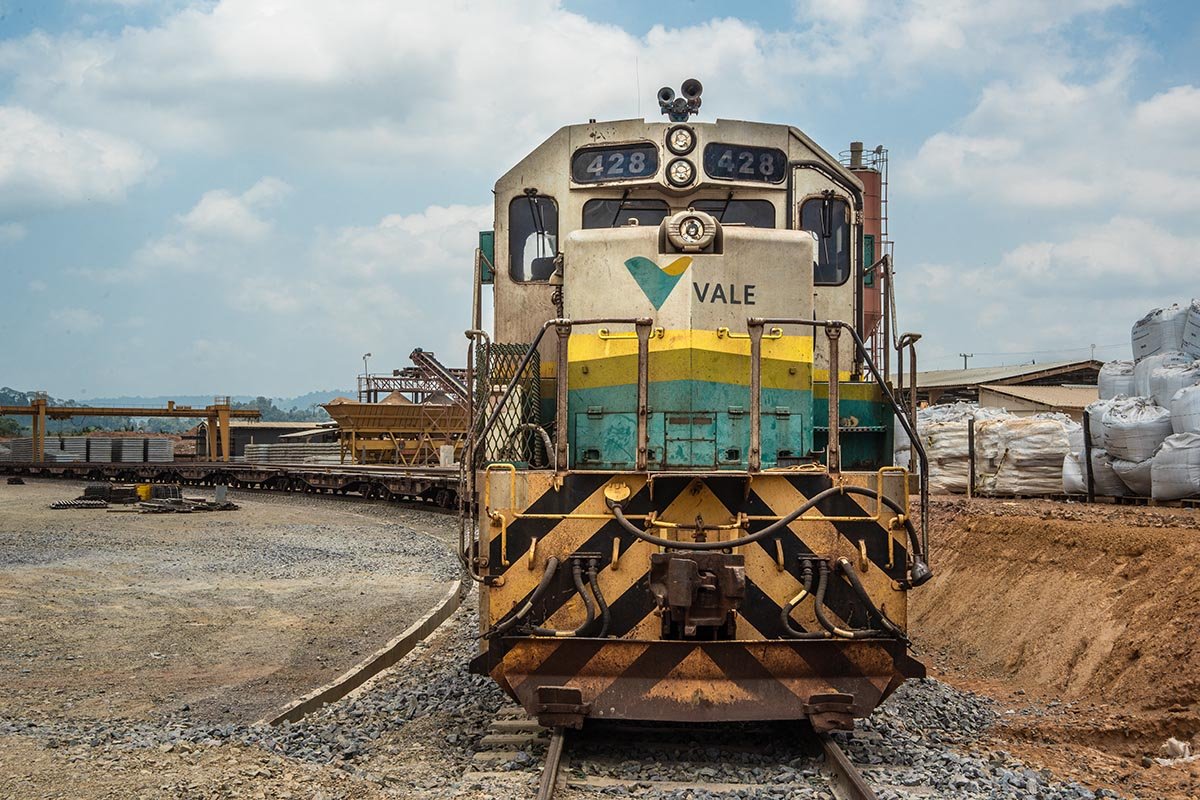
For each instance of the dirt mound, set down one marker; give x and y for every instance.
(1083, 618)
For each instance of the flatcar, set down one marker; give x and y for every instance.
(679, 496)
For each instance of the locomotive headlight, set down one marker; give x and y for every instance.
(691, 231)
(680, 172)
(681, 140)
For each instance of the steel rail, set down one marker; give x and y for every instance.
(846, 776)
(554, 754)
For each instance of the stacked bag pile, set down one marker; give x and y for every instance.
(1013, 455)
(1145, 428)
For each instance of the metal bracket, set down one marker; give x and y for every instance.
(560, 707)
(830, 712)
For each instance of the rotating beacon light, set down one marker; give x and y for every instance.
(681, 107)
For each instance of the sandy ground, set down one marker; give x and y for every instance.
(1082, 622)
(216, 617)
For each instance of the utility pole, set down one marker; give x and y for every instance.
(965, 356)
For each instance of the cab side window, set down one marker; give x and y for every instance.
(828, 219)
(532, 237)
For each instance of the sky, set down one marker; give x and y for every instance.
(245, 197)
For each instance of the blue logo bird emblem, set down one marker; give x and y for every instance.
(657, 282)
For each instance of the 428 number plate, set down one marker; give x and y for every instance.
(735, 162)
(627, 163)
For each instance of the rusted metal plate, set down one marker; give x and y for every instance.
(706, 681)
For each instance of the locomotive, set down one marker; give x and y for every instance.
(679, 497)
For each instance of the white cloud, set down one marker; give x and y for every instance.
(44, 164)
(1050, 142)
(406, 277)
(221, 233)
(76, 320)
(435, 240)
(37, 286)
(448, 82)
(11, 232)
(1125, 256)
(1087, 287)
(222, 214)
(889, 39)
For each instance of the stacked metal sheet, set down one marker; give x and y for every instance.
(99, 449)
(160, 451)
(129, 451)
(93, 449)
(76, 446)
(314, 453)
(22, 449)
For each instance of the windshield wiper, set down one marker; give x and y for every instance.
(620, 208)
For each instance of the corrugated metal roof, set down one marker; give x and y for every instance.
(307, 432)
(251, 423)
(981, 375)
(1076, 397)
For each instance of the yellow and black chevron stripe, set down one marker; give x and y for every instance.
(526, 519)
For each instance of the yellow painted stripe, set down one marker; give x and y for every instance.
(849, 390)
(588, 346)
(688, 365)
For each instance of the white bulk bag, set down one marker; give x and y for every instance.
(1095, 412)
(1134, 474)
(1166, 381)
(1191, 330)
(1176, 469)
(1185, 410)
(1020, 455)
(1116, 378)
(1134, 428)
(1159, 331)
(1075, 439)
(946, 449)
(1104, 478)
(1143, 369)
(1073, 479)
(901, 445)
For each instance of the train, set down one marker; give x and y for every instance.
(678, 495)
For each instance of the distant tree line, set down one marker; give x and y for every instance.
(18, 426)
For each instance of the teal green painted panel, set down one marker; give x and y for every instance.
(869, 258)
(487, 245)
(868, 450)
(715, 435)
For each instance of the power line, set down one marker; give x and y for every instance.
(1055, 350)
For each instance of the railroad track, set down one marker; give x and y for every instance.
(424, 485)
(730, 759)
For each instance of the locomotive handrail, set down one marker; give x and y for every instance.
(645, 328)
(833, 329)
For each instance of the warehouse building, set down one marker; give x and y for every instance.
(1062, 386)
(242, 433)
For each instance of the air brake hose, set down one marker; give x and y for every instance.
(847, 569)
(786, 616)
(543, 585)
(780, 524)
(577, 577)
(605, 615)
(819, 607)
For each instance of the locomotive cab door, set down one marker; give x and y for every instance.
(826, 210)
